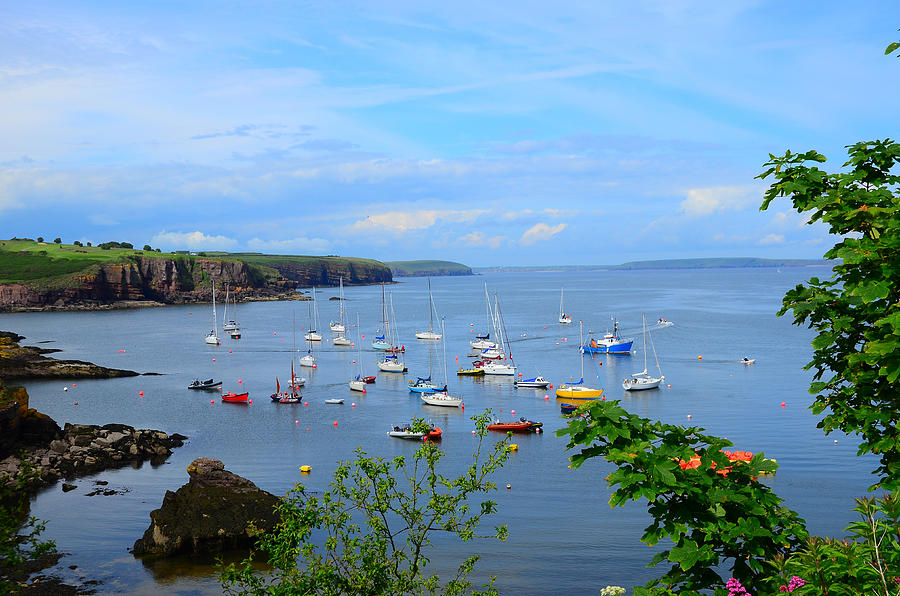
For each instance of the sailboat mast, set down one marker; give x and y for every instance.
(644, 320)
(444, 342)
(504, 334)
(215, 318)
(581, 343)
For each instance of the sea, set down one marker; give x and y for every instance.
(563, 535)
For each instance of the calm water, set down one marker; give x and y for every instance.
(563, 535)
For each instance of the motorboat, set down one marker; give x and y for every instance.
(334, 400)
(207, 384)
(522, 426)
(610, 343)
(534, 382)
(474, 371)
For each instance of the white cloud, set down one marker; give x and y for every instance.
(771, 239)
(399, 222)
(518, 214)
(301, 244)
(476, 239)
(706, 201)
(192, 241)
(540, 231)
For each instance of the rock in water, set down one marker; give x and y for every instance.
(209, 514)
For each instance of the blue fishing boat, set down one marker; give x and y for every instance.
(610, 343)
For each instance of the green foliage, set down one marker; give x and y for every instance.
(78, 243)
(19, 533)
(714, 511)
(148, 248)
(370, 531)
(892, 48)
(57, 240)
(856, 313)
(40, 239)
(866, 563)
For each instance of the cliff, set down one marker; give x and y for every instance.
(428, 268)
(26, 362)
(50, 279)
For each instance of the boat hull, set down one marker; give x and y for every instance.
(516, 427)
(641, 384)
(356, 385)
(389, 366)
(236, 398)
(428, 335)
(472, 372)
(441, 399)
(577, 392)
(341, 341)
(535, 383)
(615, 348)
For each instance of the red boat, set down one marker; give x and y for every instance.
(435, 434)
(238, 398)
(523, 426)
(369, 379)
(396, 349)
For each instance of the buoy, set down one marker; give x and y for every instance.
(513, 447)
(306, 403)
(462, 406)
(296, 422)
(73, 385)
(76, 403)
(364, 389)
(668, 386)
(508, 486)
(240, 381)
(545, 326)
(557, 343)
(274, 333)
(335, 422)
(364, 337)
(783, 404)
(229, 351)
(141, 393)
(603, 398)
(457, 358)
(307, 430)
(473, 432)
(305, 469)
(501, 410)
(214, 359)
(353, 405)
(65, 388)
(551, 385)
(699, 357)
(353, 362)
(520, 374)
(547, 397)
(689, 416)
(250, 401)
(212, 401)
(513, 412)
(315, 366)
(835, 441)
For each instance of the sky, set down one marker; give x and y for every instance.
(489, 133)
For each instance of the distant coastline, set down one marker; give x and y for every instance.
(708, 263)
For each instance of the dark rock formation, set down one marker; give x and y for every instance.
(144, 281)
(25, 362)
(32, 438)
(213, 512)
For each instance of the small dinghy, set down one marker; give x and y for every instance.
(235, 398)
(334, 401)
(522, 426)
(748, 361)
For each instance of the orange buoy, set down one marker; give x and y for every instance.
(783, 404)
(315, 366)
(520, 374)
(335, 422)
(76, 403)
(699, 357)
(141, 393)
(668, 386)
(364, 389)
(229, 351)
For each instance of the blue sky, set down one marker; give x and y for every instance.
(505, 133)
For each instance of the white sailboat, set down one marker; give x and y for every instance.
(442, 398)
(431, 333)
(338, 326)
(309, 360)
(358, 384)
(229, 324)
(503, 364)
(483, 341)
(391, 361)
(563, 317)
(381, 342)
(642, 380)
(296, 382)
(312, 333)
(212, 338)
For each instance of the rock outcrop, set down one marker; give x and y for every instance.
(26, 362)
(215, 511)
(146, 281)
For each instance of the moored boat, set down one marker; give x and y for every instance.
(474, 371)
(232, 397)
(610, 343)
(537, 382)
(207, 384)
(522, 426)
(334, 400)
(441, 399)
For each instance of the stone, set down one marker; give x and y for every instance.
(59, 446)
(211, 513)
(68, 487)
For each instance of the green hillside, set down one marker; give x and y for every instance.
(427, 268)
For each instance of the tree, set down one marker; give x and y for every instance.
(78, 243)
(20, 533)
(369, 533)
(148, 248)
(57, 240)
(40, 239)
(856, 313)
(707, 502)
(89, 244)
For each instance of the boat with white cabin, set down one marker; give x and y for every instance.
(642, 380)
(563, 317)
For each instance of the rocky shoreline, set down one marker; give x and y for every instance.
(28, 362)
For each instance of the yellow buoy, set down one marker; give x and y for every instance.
(306, 469)
(513, 447)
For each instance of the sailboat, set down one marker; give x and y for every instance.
(483, 340)
(312, 334)
(442, 397)
(297, 382)
(380, 342)
(576, 390)
(643, 380)
(391, 362)
(499, 365)
(425, 384)
(563, 317)
(229, 324)
(358, 384)
(339, 327)
(309, 360)
(212, 337)
(431, 333)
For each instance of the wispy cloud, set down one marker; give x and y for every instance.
(478, 239)
(196, 240)
(705, 201)
(540, 232)
(101, 219)
(300, 244)
(771, 239)
(399, 222)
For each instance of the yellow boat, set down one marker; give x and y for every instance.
(471, 371)
(568, 393)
